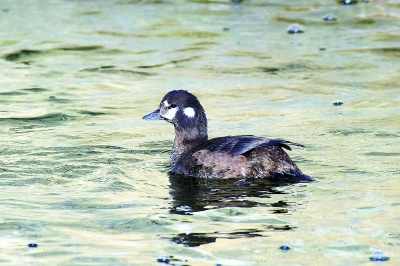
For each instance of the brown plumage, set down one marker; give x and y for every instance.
(225, 157)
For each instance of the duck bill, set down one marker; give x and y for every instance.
(153, 116)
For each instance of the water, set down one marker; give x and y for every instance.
(86, 180)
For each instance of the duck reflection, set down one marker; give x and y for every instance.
(198, 194)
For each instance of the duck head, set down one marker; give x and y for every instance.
(184, 111)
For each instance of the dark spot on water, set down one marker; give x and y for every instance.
(33, 245)
(329, 17)
(52, 97)
(348, 2)
(280, 211)
(6, 10)
(268, 69)
(91, 113)
(226, 29)
(279, 204)
(193, 240)
(365, 21)
(107, 67)
(19, 54)
(337, 103)
(379, 256)
(384, 258)
(81, 48)
(322, 49)
(284, 248)
(114, 147)
(281, 228)
(170, 260)
(151, 66)
(35, 89)
(295, 29)
(163, 259)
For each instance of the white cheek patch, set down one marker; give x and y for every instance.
(170, 114)
(189, 112)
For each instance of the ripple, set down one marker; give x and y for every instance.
(16, 56)
(173, 62)
(91, 113)
(12, 93)
(52, 117)
(114, 70)
(376, 153)
(23, 55)
(189, 34)
(35, 89)
(81, 48)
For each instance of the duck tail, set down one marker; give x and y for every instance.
(292, 177)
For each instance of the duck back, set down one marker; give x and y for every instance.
(241, 157)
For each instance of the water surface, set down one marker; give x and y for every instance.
(84, 178)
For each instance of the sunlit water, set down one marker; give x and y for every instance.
(84, 178)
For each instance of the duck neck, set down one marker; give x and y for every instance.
(188, 135)
(188, 138)
(184, 143)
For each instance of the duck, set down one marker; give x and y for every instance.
(245, 157)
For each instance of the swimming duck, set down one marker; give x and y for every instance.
(244, 157)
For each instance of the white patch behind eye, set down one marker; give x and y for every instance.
(170, 114)
(166, 104)
(189, 112)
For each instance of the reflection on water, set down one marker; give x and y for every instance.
(193, 195)
(190, 195)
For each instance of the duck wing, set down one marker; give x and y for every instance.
(236, 145)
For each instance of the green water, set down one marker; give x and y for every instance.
(83, 177)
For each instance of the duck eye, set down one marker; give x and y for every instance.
(172, 106)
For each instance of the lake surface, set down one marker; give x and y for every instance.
(84, 180)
